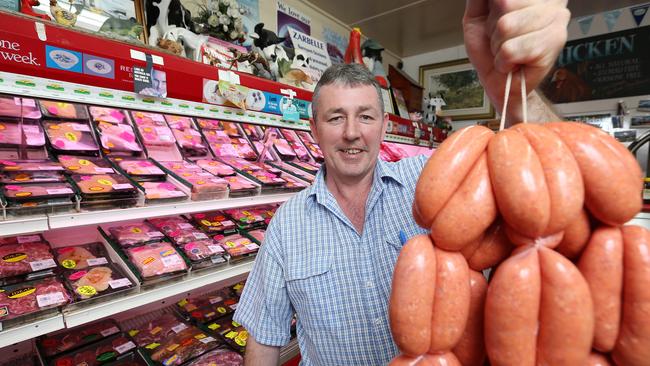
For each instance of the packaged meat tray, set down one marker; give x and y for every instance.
(78, 257)
(189, 139)
(14, 134)
(30, 359)
(109, 115)
(241, 186)
(37, 191)
(118, 138)
(310, 168)
(203, 253)
(294, 171)
(29, 165)
(296, 145)
(162, 192)
(156, 259)
(281, 145)
(219, 357)
(100, 353)
(28, 254)
(253, 132)
(55, 343)
(68, 137)
(150, 334)
(251, 217)
(203, 313)
(216, 137)
(182, 346)
(232, 333)
(42, 176)
(209, 124)
(22, 239)
(311, 145)
(153, 129)
(178, 229)
(97, 281)
(238, 288)
(231, 128)
(214, 222)
(135, 234)
(84, 165)
(32, 296)
(129, 359)
(187, 306)
(15, 107)
(237, 246)
(99, 189)
(63, 110)
(203, 185)
(257, 234)
(141, 170)
(216, 167)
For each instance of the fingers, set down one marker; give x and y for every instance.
(475, 9)
(517, 23)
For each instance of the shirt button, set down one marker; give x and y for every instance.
(369, 284)
(378, 321)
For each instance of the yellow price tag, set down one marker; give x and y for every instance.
(136, 230)
(87, 290)
(230, 244)
(71, 136)
(200, 336)
(105, 182)
(221, 309)
(182, 303)
(152, 345)
(214, 326)
(84, 162)
(69, 263)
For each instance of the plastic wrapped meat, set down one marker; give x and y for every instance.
(43, 176)
(293, 183)
(308, 167)
(184, 166)
(142, 169)
(213, 222)
(156, 259)
(63, 110)
(162, 191)
(99, 353)
(283, 149)
(199, 250)
(105, 114)
(249, 216)
(311, 145)
(118, 137)
(204, 312)
(16, 107)
(182, 346)
(239, 183)
(82, 256)
(12, 134)
(294, 142)
(216, 167)
(25, 257)
(179, 230)
(154, 129)
(257, 234)
(253, 132)
(157, 330)
(101, 184)
(54, 343)
(236, 245)
(209, 124)
(29, 165)
(237, 148)
(230, 128)
(216, 137)
(204, 185)
(134, 234)
(75, 164)
(232, 332)
(22, 239)
(29, 297)
(220, 357)
(32, 191)
(188, 138)
(70, 136)
(96, 281)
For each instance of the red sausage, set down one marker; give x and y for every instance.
(566, 317)
(444, 359)
(561, 172)
(493, 248)
(451, 303)
(518, 183)
(469, 211)
(596, 359)
(403, 360)
(633, 343)
(576, 236)
(470, 349)
(411, 299)
(601, 264)
(549, 241)
(447, 169)
(511, 310)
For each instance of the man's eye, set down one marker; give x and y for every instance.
(365, 117)
(335, 119)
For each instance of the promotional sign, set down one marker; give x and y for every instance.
(612, 65)
(316, 58)
(336, 44)
(289, 17)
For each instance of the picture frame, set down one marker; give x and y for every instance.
(458, 84)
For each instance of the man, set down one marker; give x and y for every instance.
(329, 252)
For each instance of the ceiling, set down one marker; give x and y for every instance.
(411, 27)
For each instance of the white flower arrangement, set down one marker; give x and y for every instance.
(221, 19)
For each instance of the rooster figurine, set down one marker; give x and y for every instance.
(353, 52)
(62, 16)
(26, 8)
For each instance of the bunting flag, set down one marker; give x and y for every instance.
(585, 24)
(611, 18)
(639, 12)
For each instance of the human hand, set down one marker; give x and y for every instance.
(503, 35)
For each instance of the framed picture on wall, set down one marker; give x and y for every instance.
(388, 102)
(458, 84)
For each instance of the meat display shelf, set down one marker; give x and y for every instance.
(80, 314)
(23, 225)
(72, 219)
(31, 329)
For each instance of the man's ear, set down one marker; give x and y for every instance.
(314, 130)
(384, 126)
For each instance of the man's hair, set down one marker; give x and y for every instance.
(350, 75)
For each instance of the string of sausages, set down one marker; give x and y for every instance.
(543, 206)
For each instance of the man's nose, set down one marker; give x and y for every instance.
(351, 129)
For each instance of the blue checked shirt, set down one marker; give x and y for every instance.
(315, 264)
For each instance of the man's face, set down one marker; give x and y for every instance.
(159, 80)
(349, 128)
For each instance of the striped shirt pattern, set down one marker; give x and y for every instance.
(314, 263)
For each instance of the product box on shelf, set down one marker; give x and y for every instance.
(214, 222)
(237, 246)
(154, 262)
(66, 340)
(113, 348)
(252, 217)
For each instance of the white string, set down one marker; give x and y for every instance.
(522, 76)
(505, 101)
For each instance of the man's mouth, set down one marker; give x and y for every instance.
(352, 151)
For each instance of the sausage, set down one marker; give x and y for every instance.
(412, 294)
(602, 266)
(549, 241)
(469, 211)
(403, 360)
(518, 183)
(511, 310)
(492, 249)
(447, 168)
(633, 343)
(596, 359)
(612, 201)
(451, 301)
(576, 236)
(417, 218)
(561, 173)
(566, 318)
(470, 349)
(444, 359)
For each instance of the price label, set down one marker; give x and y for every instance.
(207, 340)
(171, 260)
(59, 191)
(122, 186)
(125, 347)
(80, 127)
(252, 246)
(218, 259)
(215, 300)
(234, 306)
(43, 264)
(214, 249)
(31, 129)
(22, 239)
(179, 328)
(69, 263)
(122, 282)
(54, 298)
(103, 170)
(185, 225)
(96, 261)
(175, 194)
(165, 138)
(109, 331)
(200, 236)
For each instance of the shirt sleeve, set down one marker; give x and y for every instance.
(264, 308)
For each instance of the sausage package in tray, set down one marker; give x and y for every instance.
(65, 340)
(32, 296)
(103, 352)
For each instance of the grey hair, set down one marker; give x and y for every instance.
(347, 75)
